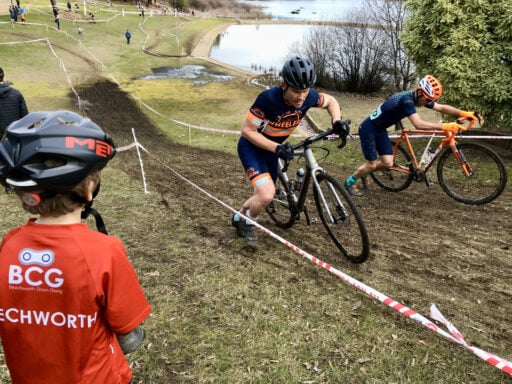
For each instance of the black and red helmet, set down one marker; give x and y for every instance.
(299, 73)
(52, 151)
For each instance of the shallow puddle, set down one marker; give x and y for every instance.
(186, 72)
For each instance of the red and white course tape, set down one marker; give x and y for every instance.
(451, 333)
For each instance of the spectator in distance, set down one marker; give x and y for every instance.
(12, 104)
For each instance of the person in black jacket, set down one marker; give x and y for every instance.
(12, 104)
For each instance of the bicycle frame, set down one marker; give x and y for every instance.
(336, 210)
(312, 169)
(448, 140)
(470, 173)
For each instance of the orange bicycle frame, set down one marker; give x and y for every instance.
(449, 139)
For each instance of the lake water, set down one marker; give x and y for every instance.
(259, 48)
(306, 10)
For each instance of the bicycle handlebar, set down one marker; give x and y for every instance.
(471, 122)
(310, 140)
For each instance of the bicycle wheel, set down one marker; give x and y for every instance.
(282, 210)
(341, 218)
(487, 179)
(399, 176)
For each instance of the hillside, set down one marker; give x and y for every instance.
(223, 313)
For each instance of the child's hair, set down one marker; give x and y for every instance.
(59, 204)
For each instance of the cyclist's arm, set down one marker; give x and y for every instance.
(446, 109)
(250, 132)
(422, 124)
(333, 107)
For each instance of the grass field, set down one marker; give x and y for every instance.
(223, 314)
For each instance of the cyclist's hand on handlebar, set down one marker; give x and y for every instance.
(471, 115)
(285, 151)
(453, 127)
(340, 128)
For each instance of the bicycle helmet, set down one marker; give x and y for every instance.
(299, 73)
(430, 87)
(52, 151)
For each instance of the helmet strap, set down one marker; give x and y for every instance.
(100, 225)
(417, 94)
(89, 210)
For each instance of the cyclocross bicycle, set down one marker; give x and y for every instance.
(337, 211)
(470, 173)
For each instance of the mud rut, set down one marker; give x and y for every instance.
(425, 247)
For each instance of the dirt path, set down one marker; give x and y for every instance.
(424, 245)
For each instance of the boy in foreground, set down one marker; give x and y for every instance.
(70, 301)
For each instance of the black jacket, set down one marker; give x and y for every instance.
(12, 106)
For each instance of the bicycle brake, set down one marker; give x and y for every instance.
(343, 142)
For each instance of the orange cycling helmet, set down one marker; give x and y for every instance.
(431, 88)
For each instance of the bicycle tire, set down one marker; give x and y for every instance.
(485, 184)
(348, 231)
(281, 210)
(399, 176)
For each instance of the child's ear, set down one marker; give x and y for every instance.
(89, 189)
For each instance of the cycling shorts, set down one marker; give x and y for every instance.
(374, 141)
(259, 164)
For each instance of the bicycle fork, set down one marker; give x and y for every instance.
(464, 164)
(340, 213)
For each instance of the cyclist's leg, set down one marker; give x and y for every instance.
(367, 132)
(256, 165)
(384, 148)
(261, 168)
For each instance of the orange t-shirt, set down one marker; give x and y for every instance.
(64, 292)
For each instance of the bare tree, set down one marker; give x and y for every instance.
(348, 56)
(357, 62)
(317, 47)
(389, 17)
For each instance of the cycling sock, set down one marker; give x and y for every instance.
(351, 180)
(237, 217)
(248, 214)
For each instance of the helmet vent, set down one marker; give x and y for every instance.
(36, 124)
(68, 123)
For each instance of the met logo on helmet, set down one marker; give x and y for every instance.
(100, 148)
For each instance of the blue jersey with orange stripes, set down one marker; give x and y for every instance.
(276, 119)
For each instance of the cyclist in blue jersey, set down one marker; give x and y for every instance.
(373, 130)
(274, 115)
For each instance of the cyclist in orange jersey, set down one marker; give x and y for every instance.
(375, 143)
(274, 115)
